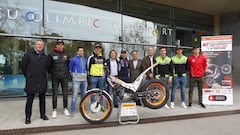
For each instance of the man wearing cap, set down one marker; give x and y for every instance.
(179, 76)
(58, 66)
(123, 74)
(164, 69)
(95, 67)
(196, 67)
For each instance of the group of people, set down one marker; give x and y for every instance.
(89, 73)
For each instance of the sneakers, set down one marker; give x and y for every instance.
(172, 105)
(66, 113)
(54, 114)
(166, 106)
(183, 105)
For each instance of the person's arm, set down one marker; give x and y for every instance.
(170, 66)
(70, 66)
(204, 63)
(186, 66)
(50, 63)
(189, 66)
(68, 59)
(25, 61)
(89, 63)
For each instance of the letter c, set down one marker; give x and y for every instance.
(95, 23)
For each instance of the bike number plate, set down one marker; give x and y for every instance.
(128, 109)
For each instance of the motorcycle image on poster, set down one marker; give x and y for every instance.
(217, 87)
(219, 69)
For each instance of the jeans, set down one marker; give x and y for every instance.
(64, 85)
(96, 82)
(113, 92)
(175, 82)
(76, 85)
(192, 81)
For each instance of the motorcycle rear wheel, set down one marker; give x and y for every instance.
(158, 94)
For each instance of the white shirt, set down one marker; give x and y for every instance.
(113, 67)
(151, 59)
(135, 62)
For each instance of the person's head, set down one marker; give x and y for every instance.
(163, 51)
(112, 54)
(196, 50)
(134, 54)
(98, 49)
(60, 45)
(150, 51)
(123, 54)
(80, 51)
(39, 45)
(179, 51)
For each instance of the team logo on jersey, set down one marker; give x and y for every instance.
(64, 57)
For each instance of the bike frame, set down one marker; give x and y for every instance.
(131, 86)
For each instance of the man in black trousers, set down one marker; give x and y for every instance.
(34, 68)
(58, 66)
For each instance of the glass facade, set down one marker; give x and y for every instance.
(117, 24)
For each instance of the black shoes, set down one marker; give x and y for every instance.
(202, 105)
(44, 117)
(27, 121)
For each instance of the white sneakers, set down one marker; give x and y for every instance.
(182, 104)
(66, 113)
(54, 113)
(166, 106)
(172, 105)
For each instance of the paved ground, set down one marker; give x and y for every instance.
(12, 112)
(222, 125)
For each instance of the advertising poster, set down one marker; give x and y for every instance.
(217, 87)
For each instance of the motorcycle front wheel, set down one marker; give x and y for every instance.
(96, 106)
(158, 94)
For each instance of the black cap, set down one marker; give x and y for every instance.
(123, 51)
(59, 41)
(98, 46)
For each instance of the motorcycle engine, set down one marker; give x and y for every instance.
(123, 93)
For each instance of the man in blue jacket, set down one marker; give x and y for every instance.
(78, 71)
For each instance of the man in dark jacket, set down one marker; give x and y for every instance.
(148, 61)
(123, 74)
(58, 65)
(34, 68)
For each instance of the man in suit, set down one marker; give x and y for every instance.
(148, 61)
(134, 66)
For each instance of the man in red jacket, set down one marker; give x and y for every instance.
(196, 67)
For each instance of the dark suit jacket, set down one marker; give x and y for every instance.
(134, 72)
